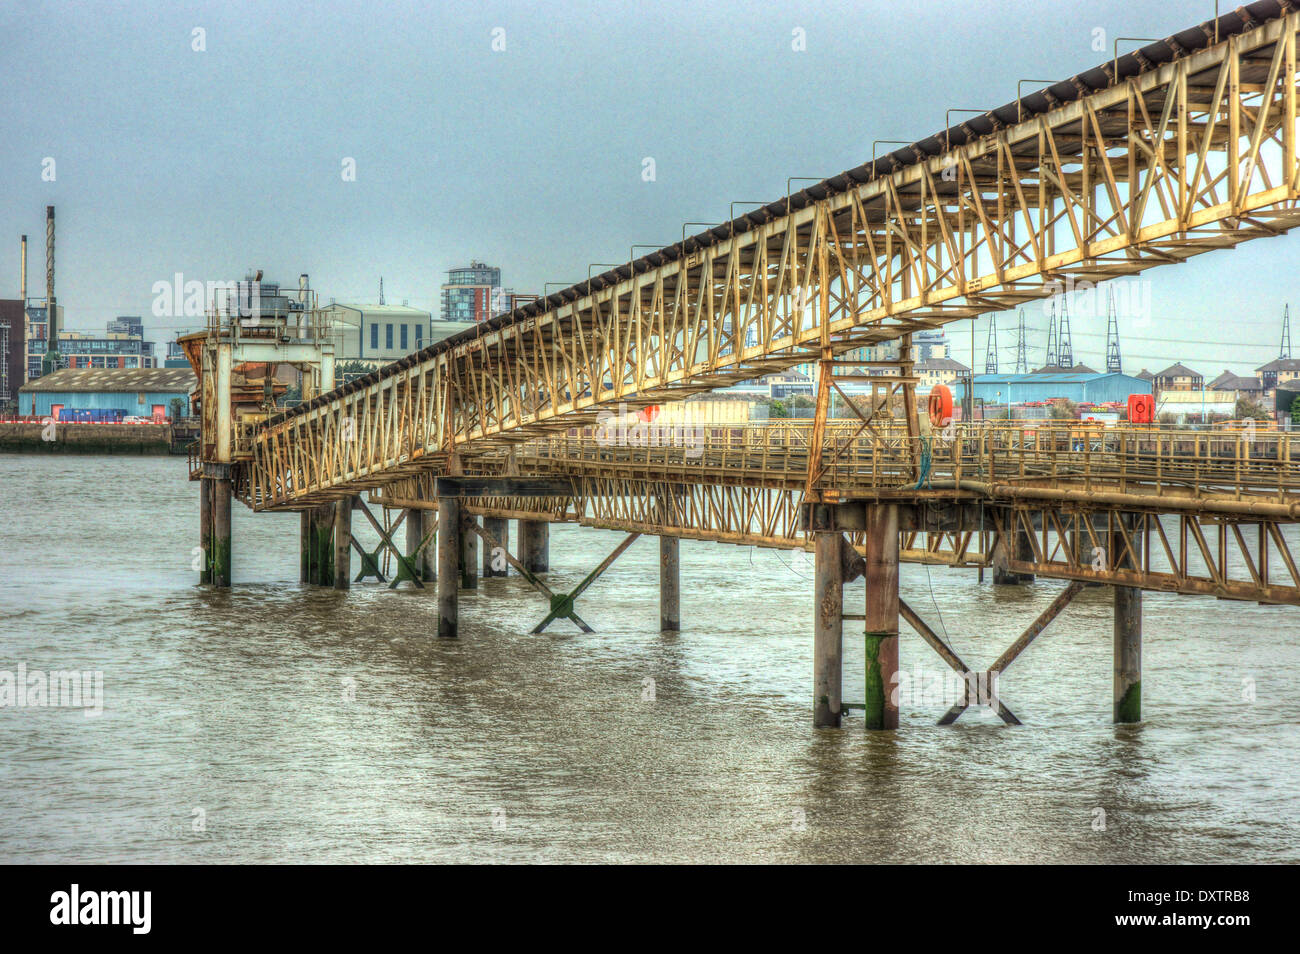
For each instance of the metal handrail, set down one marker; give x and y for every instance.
(1085, 456)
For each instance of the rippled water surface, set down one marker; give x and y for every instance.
(232, 707)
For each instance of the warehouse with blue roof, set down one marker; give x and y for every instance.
(106, 394)
(1081, 387)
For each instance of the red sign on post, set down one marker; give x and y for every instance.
(1141, 409)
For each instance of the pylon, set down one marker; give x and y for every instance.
(1112, 336)
(991, 351)
(1051, 339)
(1022, 359)
(1066, 355)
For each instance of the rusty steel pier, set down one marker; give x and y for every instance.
(1154, 157)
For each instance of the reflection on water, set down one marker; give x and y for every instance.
(298, 724)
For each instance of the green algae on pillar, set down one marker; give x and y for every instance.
(221, 533)
(877, 694)
(1128, 655)
(205, 530)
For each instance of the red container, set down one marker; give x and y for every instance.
(1141, 409)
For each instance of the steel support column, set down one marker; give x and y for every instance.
(468, 551)
(221, 533)
(428, 560)
(304, 546)
(1025, 552)
(322, 546)
(881, 616)
(449, 554)
(1127, 688)
(828, 631)
(670, 585)
(534, 545)
(205, 529)
(499, 528)
(1019, 547)
(343, 544)
(1128, 654)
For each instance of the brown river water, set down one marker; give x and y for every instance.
(278, 722)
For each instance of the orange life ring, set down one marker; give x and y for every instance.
(940, 405)
(648, 413)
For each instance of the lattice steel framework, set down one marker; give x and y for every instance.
(1187, 156)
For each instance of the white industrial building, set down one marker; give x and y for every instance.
(380, 334)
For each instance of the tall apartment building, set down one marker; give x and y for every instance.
(38, 330)
(930, 346)
(471, 293)
(126, 325)
(110, 350)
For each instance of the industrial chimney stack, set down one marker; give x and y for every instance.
(22, 281)
(51, 362)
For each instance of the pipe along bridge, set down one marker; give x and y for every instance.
(1178, 148)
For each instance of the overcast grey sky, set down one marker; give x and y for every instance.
(210, 162)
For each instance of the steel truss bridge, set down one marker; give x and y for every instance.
(1184, 146)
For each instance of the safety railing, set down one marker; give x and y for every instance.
(851, 458)
(244, 436)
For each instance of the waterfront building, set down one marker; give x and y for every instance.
(471, 293)
(932, 371)
(1079, 387)
(122, 345)
(79, 349)
(789, 383)
(1182, 406)
(13, 351)
(1250, 389)
(1178, 377)
(38, 330)
(379, 334)
(126, 325)
(1073, 369)
(1278, 371)
(140, 392)
(930, 345)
